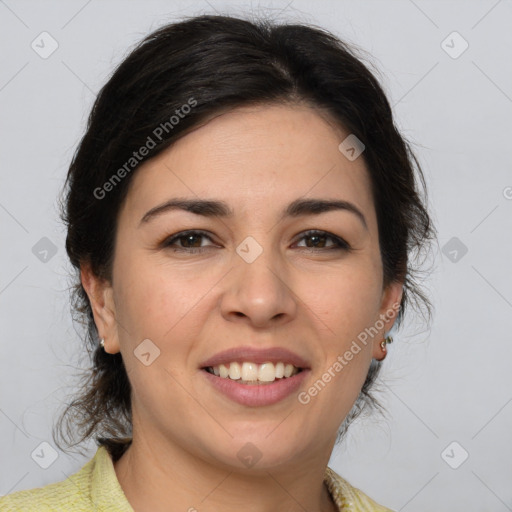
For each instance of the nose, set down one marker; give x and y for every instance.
(259, 293)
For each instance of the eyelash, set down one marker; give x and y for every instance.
(341, 245)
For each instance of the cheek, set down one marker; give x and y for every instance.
(159, 302)
(346, 299)
(344, 303)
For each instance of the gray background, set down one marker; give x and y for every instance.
(450, 383)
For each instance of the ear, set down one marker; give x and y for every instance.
(101, 297)
(390, 303)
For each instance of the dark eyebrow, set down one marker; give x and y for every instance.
(212, 208)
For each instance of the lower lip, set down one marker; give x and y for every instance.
(255, 395)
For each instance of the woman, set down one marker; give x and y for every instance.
(241, 212)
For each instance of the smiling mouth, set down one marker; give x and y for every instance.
(254, 374)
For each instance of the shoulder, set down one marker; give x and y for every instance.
(66, 495)
(349, 498)
(72, 494)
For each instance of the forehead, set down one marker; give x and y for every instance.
(254, 158)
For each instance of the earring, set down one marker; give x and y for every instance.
(102, 342)
(388, 339)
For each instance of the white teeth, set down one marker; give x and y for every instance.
(252, 372)
(267, 372)
(223, 371)
(235, 371)
(249, 371)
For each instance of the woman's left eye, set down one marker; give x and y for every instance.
(319, 237)
(191, 241)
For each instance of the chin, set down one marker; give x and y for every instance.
(260, 452)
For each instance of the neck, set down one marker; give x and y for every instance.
(151, 482)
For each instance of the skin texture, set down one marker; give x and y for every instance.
(315, 302)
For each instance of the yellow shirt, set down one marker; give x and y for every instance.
(95, 487)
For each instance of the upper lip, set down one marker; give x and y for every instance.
(255, 355)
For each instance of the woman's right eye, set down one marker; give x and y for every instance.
(188, 241)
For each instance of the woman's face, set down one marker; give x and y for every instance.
(254, 279)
